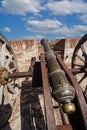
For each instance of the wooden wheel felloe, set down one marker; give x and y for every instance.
(8, 64)
(79, 62)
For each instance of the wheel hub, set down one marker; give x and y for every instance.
(3, 76)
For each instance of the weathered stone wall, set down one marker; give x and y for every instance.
(69, 49)
(66, 48)
(24, 50)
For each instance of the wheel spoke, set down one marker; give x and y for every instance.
(84, 51)
(15, 65)
(83, 77)
(85, 92)
(80, 57)
(0, 63)
(3, 53)
(1, 93)
(11, 89)
(78, 65)
(11, 70)
(8, 61)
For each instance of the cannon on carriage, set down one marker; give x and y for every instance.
(66, 86)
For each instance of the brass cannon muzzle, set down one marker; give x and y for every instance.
(62, 91)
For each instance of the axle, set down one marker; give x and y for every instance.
(62, 91)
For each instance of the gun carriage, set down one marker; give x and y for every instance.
(59, 83)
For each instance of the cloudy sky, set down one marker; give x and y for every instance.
(53, 19)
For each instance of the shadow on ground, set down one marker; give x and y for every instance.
(31, 112)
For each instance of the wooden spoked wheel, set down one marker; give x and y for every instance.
(79, 62)
(8, 64)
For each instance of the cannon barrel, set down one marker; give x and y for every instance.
(62, 90)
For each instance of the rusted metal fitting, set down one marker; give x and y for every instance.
(62, 90)
(3, 76)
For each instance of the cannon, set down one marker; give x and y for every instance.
(78, 119)
(62, 90)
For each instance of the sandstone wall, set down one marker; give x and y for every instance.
(24, 50)
(66, 48)
(69, 49)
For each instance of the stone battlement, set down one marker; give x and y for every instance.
(26, 49)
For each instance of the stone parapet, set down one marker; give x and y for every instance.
(24, 50)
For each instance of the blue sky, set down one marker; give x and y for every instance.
(52, 19)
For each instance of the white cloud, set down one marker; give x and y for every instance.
(55, 27)
(36, 37)
(65, 7)
(74, 31)
(21, 7)
(43, 26)
(78, 30)
(83, 18)
(53, 7)
(6, 29)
